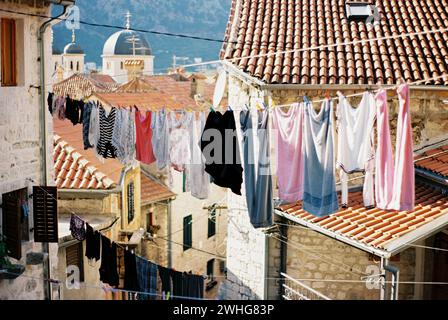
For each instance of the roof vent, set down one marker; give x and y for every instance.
(359, 11)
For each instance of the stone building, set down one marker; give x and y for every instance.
(25, 150)
(262, 28)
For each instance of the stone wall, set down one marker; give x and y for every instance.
(20, 143)
(335, 269)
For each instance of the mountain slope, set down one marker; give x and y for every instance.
(205, 18)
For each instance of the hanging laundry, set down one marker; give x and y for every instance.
(395, 182)
(220, 148)
(319, 188)
(198, 181)
(93, 243)
(147, 278)
(72, 110)
(106, 126)
(108, 268)
(179, 140)
(195, 286)
(143, 138)
(258, 181)
(290, 159)
(384, 168)
(130, 272)
(355, 144)
(123, 136)
(160, 138)
(86, 124)
(77, 228)
(177, 278)
(94, 127)
(50, 102)
(59, 107)
(165, 278)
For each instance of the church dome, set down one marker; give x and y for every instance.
(127, 42)
(73, 48)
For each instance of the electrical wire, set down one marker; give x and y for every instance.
(92, 24)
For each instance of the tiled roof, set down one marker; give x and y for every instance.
(135, 85)
(80, 86)
(179, 91)
(263, 26)
(435, 161)
(149, 100)
(375, 227)
(74, 171)
(152, 190)
(112, 168)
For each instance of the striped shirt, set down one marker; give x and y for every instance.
(107, 122)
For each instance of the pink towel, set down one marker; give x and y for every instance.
(384, 168)
(290, 162)
(394, 183)
(404, 177)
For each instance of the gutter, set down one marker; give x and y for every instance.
(88, 193)
(378, 252)
(43, 131)
(432, 176)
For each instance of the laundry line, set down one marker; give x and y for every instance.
(104, 288)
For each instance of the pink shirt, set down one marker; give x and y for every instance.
(290, 162)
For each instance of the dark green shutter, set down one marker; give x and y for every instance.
(211, 223)
(45, 211)
(188, 227)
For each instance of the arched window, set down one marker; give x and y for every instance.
(121, 65)
(55, 66)
(71, 65)
(77, 65)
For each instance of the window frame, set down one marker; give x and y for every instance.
(211, 265)
(187, 232)
(80, 258)
(13, 54)
(211, 224)
(130, 200)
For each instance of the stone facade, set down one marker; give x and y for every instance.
(20, 139)
(250, 276)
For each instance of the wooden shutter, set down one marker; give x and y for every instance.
(45, 205)
(131, 204)
(187, 232)
(211, 268)
(74, 257)
(211, 224)
(11, 224)
(8, 52)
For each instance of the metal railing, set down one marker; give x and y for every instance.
(296, 290)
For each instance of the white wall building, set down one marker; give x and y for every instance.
(67, 62)
(123, 46)
(22, 164)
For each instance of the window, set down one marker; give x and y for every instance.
(131, 204)
(8, 52)
(15, 213)
(55, 66)
(211, 223)
(108, 65)
(45, 214)
(75, 257)
(210, 268)
(188, 228)
(121, 65)
(71, 65)
(358, 11)
(77, 65)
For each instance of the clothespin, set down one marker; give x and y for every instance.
(229, 108)
(305, 98)
(212, 109)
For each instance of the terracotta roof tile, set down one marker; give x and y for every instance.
(80, 86)
(73, 171)
(377, 227)
(72, 138)
(435, 161)
(152, 190)
(262, 26)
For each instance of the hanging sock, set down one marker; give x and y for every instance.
(319, 192)
(290, 159)
(258, 184)
(355, 144)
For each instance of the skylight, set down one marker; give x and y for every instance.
(357, 11)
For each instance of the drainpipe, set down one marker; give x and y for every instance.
(170, 261)
(386, 267)
(283, 257)
(43, 133)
